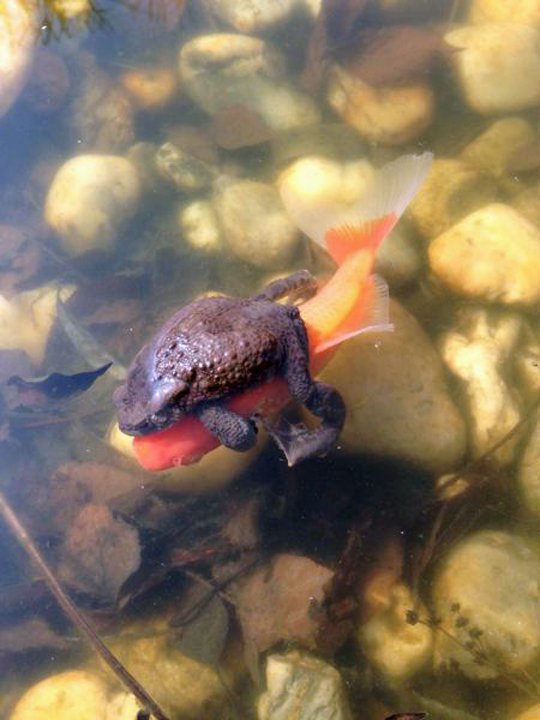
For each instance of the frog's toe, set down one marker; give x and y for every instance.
(232, 430)
(299, 443)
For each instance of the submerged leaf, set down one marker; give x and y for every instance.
(397, 54)
(334, 29)
(58, 386)
(202, 626)
(283, 601)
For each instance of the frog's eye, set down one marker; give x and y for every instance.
(165, 393)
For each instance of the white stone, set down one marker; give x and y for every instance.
(398, 404)
(252, 16)
(222, 70)
(68, 695)
(199, 227)
(529, 471)
(490, 580)
(315, 179)
(493, 149)
(477, 350)
(19, 29)
(492, 255)
(26, 319)
(91, 197)
(302, 687)
(510, 11)
(452, 189)
(147, 652)
(388, 115)
(531, 713)
(497, 66)
(254, 223)
(397, 649)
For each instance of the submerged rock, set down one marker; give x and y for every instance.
(529, 471)
(396, 395)
(26, 319)
(19, 28)
(396, 648)
(511, 11)
(222, 70)
(186, 172)
(91, 197)
(486, 595)
(254, 223)
(477, 351)
(476, 259)
(452, 190)
(251, 16)
(302, 687)
(493, 150)
(72, 694)
(200, 228)
(497, 66)
(388, 115)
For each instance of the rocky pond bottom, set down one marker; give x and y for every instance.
(145, 148)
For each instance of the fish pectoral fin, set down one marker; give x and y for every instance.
(371, 314)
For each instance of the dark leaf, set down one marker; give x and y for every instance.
(334, 30)
(393, 55)
(407, 716)
(202, 626)
(58, 386)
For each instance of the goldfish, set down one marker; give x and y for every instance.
(354, 300)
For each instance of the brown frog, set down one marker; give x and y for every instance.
(217, 347)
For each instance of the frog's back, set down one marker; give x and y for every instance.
(221, 345)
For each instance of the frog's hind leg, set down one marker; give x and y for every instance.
(298, 442)
(299, 284)
(231, 430)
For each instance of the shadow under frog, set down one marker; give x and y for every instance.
(218, 347)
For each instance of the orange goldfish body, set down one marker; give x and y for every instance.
(353, 301)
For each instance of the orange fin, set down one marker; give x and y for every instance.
(371, 314)
(347, 239)
(389, 191)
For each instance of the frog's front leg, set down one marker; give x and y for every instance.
(231, 430)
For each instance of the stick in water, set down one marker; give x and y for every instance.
(75, 615)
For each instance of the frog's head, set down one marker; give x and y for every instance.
(147, 403)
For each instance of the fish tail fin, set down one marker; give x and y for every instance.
(345, 229)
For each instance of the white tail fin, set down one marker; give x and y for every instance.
(389, 192)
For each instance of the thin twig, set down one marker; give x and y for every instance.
(75, 615)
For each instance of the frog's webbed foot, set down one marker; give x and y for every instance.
(299, 443)
(231, 430)
(300, 284)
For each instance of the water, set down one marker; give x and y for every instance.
(407, 559)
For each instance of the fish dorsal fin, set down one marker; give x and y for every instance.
(388, 192)
(371, 314)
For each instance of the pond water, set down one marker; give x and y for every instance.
(155, 152)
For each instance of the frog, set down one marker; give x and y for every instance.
(219, 346)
